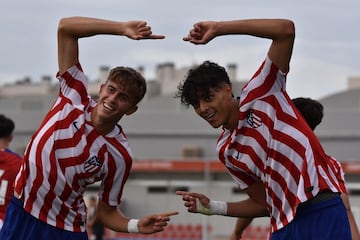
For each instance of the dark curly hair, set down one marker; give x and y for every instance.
(199, 81)
(310, 109)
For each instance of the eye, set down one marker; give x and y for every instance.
(209, 98)
(111, 89)
(123, 97)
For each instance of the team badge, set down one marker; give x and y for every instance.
(92, 164)
(253, 120)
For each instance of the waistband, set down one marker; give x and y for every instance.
(320, 197)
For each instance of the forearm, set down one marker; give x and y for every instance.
(79, 27)
(246, 209)
(72, 28)
(113, 219)
(265, 28)
(353, 226)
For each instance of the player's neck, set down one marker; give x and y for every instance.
(3, 145)
(102, 127)
(233, 120)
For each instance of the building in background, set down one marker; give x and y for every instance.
(175, 150)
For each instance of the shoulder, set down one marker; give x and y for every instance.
(12, 154)
(71, 71)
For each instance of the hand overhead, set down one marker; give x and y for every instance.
(139, 30)
(202, 32)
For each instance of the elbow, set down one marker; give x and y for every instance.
(65, 24)
(288, 27)
(264, 213)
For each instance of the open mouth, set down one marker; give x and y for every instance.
(108, 107)
(209, 116)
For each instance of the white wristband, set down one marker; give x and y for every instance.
(133, 226)
(214, 208)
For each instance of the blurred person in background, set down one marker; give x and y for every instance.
(9, 164)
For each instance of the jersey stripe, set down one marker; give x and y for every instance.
(273, 144)
(66, 154)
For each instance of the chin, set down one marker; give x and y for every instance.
(215, 125)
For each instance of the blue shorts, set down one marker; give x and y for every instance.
(325, 220)
(19, 224)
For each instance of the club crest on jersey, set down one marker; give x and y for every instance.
(92, 164)
(253, 120)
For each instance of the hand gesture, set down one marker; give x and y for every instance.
(191, 198)
(154, 223)
(202, 32)
(139, 30)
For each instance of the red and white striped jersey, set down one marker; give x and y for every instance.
(339, 174)
(9, 166)
(66, 154)
(271, 144)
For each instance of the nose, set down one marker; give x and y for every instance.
(111, 97)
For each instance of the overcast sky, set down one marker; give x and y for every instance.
(326, 52)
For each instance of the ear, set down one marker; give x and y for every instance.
(101, 87)
(131, 110)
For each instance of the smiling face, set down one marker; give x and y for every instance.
(119, 95)
(217, 107)
(114, 101)
(207, 89)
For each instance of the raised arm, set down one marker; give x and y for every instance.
(72, 28)
(281, 31)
